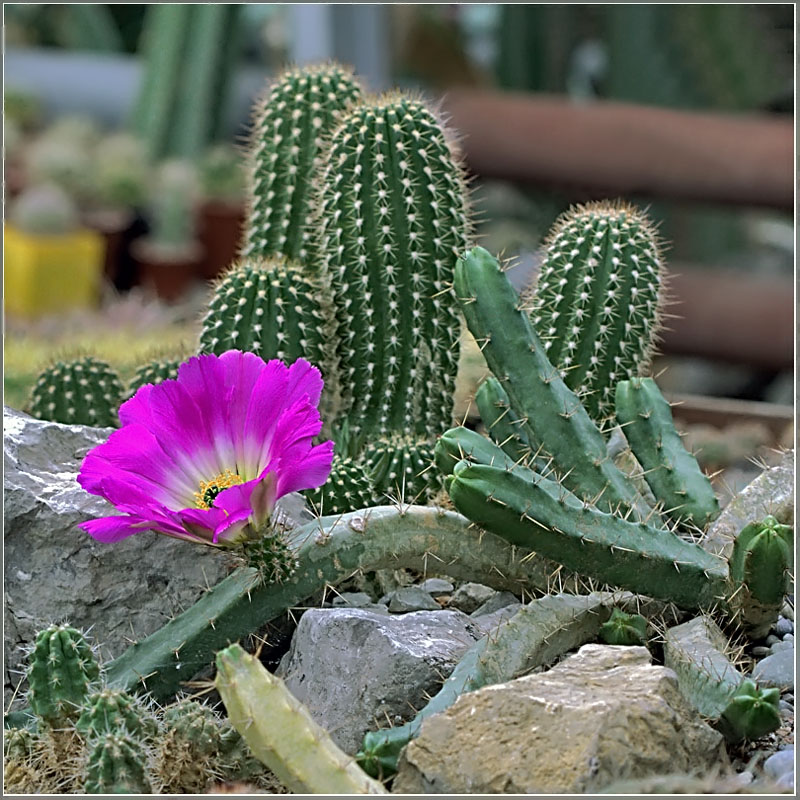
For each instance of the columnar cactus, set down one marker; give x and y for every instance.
(117, 765)
(272, 308)
(402, 467)
(291, 122)
(672, 473)
(113, 711)
(81, 391)
(61, 671)
(281, 732)
(349, 487)
(391, 218)
(598, 300)
(155, 372)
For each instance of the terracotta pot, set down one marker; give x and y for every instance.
(114, 226)
(168, 274)
(221, 228)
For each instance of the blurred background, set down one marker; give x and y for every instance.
(124, 125)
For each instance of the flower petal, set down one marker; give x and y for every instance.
(114, 529)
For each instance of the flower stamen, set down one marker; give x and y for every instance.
(210, 489)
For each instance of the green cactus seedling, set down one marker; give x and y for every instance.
(82, 391)
(751, 713)
(113, 711)
(625, 629)
(62, 669)
(117, 765)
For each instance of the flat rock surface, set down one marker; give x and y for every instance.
(354, 668)
(601, 715)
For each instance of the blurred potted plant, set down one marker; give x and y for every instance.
(222, 211)
(120, 178)
(169, 256)
(51, 263)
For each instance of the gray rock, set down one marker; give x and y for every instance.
(779, 763)
(352, 600)
(784, 626)
(355, 669)
(437, 587)
(771, 640)
(497, 601)
(785, 783)
(776, 670)
(596, 717)
(788, 611)
(785, 644)
(759, 651)
(488, 622)
(411, 598)
(470, 596)
(55, 572)
(787, 709)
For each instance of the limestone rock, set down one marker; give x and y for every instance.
(601, 715)
(470, 596)
(354, 668)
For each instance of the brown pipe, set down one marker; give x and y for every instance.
(731, 316)
(606, 149)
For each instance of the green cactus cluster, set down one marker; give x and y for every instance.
(402, 467)
(598, 300)
(154, 372)
(79, 391)
(291, 123)
(349, 487)
(116, 765)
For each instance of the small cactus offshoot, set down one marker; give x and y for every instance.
(349, 487)
(624, 629)
(117, 765)
(402, 467)
(82, 391)
(751, 712)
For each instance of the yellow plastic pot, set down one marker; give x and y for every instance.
(48, 274)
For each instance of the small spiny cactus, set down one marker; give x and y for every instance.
(291, 121)
(115, 711)
(348, 488)
(402, 467)
(598, 301)
(117, 764)
(154, 372)
(81, 391)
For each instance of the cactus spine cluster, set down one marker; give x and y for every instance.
(81, 391)
(672, 473)
(281, 732)
(598, 300)
(348, 488)
(402, 467)
(116, 765)
(391, 218)
(154, 372)
(291, 123)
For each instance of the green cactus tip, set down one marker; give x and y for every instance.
(751, 712)
(624, 629)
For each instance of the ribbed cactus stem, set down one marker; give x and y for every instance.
(502, 424)
(672, 473)
(348, 488)
(154, 372)
(81, 391)
(291, 122)
(117, 765)
(599, 297)
(392, 218)
(401, 467)
(553, 417)
(281, 732)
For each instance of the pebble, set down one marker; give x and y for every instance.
(469, 596)
(779, 763)
(788, 611)
(759, 651)
(786, 782)
(771, 640)
(783, 626)
(786, 708)
(436, 586)
(495, 603)
(352, 600)
(411, 598)
(776, 670)
(786, 644)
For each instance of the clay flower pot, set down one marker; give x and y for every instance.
(169, 272)
(221, 232)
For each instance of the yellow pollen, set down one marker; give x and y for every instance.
(210, 489)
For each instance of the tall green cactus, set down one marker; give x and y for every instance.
(79, 391)
(598, 300)
(391, 218)
(291, 122)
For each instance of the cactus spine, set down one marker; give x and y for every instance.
(348, 488)
(392, 218)
(154, 372)
(61, 672)
(112, 711)
(81, 391)
(402, 467)
(672, 473)
(281, 732)
(291, 122)
(117, 765)
(598, 300)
